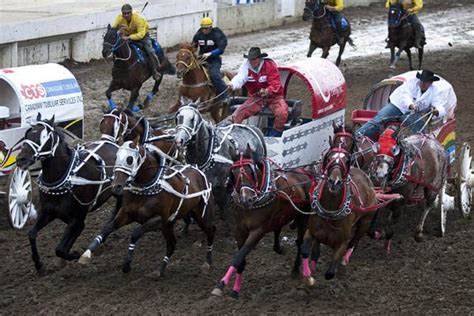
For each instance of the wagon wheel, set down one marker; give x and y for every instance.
(445, 204)
(19, 198)
(465, 181)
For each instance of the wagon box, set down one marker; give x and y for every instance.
(48, 89)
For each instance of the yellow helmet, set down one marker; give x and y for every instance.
(206, 22)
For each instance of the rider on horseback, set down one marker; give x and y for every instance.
(212, 43)
(334, 8)
(261, 77)
(419, 94)
(412, 7)
(134, 27)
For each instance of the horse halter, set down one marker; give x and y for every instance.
(190, 131)
(117, 45)
(129, 159)
(340, 140)
(192, 65)
(335, 158)
(120, 127)
(46, 134)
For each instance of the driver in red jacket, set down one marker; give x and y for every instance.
(261, 78)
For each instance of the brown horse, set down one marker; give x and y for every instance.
(155, 196)
(129, 71)
(401, 35)
(267, 199)
(196, 84)
(342, 199)
(415, 167)
(322, 34)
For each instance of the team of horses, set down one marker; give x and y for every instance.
(158, 176)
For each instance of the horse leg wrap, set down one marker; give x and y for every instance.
(228, 275)
(388, 247)
(347, 256)
(306, 269)
(149, 96)
(377, 235)
(237, 283)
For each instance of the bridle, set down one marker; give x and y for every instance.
(120, 127)
(316, 5)
(195, 63)
(124, 165)
(47, 134)
(190, 131)
(117, 45)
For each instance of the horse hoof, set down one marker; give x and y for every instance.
(41, 271)
(418, 237)
(309, 282)
(234, 294)
(126, 268)
(329, 275)
(345, 262)
(217, 292)
(392, 67)
(86, 257)
(279, 250)
(205, 267)
(60, 263)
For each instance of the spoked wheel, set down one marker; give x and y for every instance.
(19, 198)
(465, 181)
(445, 204)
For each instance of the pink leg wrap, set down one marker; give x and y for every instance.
(228, 275)
(377, 235)
(237, 283)
(313, 265)
(348, 255)
(388, 247)
(306, 269)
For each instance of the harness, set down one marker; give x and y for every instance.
(195, 63)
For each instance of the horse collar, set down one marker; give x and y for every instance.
(154, 186)
(338, 214)
(63, 185)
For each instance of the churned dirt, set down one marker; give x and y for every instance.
(431, 277)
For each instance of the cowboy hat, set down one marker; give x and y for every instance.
(427, 76)
(254, 52)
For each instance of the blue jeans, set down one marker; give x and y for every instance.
(215, 76)
(373, 127)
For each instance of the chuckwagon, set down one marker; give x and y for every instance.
(25, 92)
(315, 91)
(445, 132)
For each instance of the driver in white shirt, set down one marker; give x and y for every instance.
(412, 99)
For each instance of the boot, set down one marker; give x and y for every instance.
(155, 65)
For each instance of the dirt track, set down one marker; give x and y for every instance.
(432, 277)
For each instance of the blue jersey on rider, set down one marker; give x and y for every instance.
(212, 43)
(410, 100)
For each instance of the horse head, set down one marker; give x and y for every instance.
(313, 9)
(114, 125)
(396, 15)
(246, 176)
(186, 59)
(342, 137)
(188, 123)
(335, 167)
(130, 157)
(387, 151)
(41, 141)
(111, 38)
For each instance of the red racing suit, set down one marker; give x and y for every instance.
(266, 77)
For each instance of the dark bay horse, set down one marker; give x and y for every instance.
(128, 71)
(415, 167)
(196, 84)
(268, 198)
(156, 195)
(73, 182)
(119, 125)
(211, 148)
(343, 198)
(401, 35)
(322, 34)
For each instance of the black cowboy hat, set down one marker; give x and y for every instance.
(254, 52)
(427, 76)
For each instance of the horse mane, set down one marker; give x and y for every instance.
(188, 46)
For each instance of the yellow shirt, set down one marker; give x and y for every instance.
(413, 6)
(338, 4)
(136, 29)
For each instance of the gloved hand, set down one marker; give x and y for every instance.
(413, 107)
(230, 87)
(263, 93)
(435, 111)
(206, 55)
